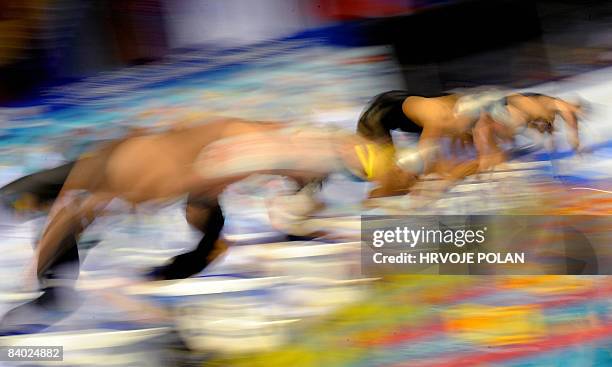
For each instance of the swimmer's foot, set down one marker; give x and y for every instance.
(53, 305)
(188, 264)
(181, 267)
(292, 238)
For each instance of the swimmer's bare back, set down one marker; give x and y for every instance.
(152, 166)
(436, 113)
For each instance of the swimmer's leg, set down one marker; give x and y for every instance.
(488, 151)
(69, 219)
(57, 256)
(208, 218)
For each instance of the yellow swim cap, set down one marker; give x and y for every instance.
(374, 159)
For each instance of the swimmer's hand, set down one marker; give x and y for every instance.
(488, 162)
(433, 183)
(431, 191)
(581, 152)
(394, 182)
(381, 192)
(421, 195)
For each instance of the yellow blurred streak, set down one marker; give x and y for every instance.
(294, 355)
(288, 356)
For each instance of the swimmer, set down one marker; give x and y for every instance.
(434, 119)
(200, 162)
(480, 117)
(37, 192)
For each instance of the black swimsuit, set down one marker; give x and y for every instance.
(385, 113)
(397, 120)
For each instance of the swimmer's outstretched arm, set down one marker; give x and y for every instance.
(489, 153)
(568, 113)
(428, 147)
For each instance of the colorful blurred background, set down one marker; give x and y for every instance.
(73, 73)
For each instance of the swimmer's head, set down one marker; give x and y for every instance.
(542, 127)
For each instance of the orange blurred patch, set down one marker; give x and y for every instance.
(491, 325)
